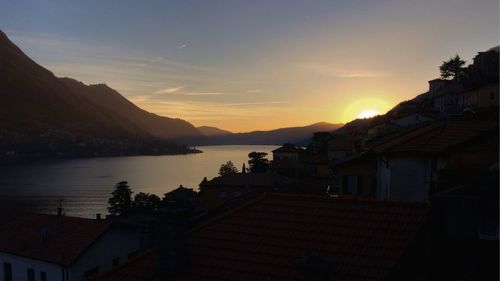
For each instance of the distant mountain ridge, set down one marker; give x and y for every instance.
(63, 112)
(297, 135)
(31, 94)
(210, 131)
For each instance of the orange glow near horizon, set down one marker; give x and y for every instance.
(365, 108)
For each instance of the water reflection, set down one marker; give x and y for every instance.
(85, 184)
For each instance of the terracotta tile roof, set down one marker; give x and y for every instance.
(264, 240)
(437, 137)
(249, 179)
(66, 237)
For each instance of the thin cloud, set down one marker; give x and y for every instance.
(345, 73)
(182, 46)
(168, 90)
(203, 94)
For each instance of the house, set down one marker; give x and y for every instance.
(219, 190)
(284, 237)
(411, 120)
(356, 176)
(486, 63)
(182, 196)
(288, 161)
(464, 226)
(446, 99)
(408, 164)
(341, 147)
(36, 247)
(437, 84)
(485, 96)
(394, 124)
(317, 166)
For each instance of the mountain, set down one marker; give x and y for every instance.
(35, 104)
(212, 131)
(112, 101)
(297, 135)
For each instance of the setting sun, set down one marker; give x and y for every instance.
(368, 113)
(365, 108)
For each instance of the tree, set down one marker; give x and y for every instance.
(453, 68)
(121, 200)
(258, 162)
(146, 202)
(227, 169)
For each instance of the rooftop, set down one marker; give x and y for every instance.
(436, 137)
(55, 239)
(288, 148)
(264, 240)
(249, 179)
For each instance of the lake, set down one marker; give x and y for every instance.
(85, 184)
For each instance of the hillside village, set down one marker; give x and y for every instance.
(408, 195)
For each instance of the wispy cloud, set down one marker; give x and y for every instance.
(346, 73)
(203, 94)
(182, 46)
(168, 90)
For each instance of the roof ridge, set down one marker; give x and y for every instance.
(397, 138)
(220, 217)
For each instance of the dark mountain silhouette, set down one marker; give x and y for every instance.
(212, 131)
(112, 101)
(297, 135)
(33, 99)
(36, 104)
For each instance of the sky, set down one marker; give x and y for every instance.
(253, 65)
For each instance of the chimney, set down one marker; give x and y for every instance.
(171, 248)
(314, 267)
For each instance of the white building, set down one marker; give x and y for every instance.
(408, 165)
(37, 247)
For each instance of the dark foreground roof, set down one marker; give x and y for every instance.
(55, 239)
(265, 239)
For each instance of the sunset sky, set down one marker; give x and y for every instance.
(248, 65)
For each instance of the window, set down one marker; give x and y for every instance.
(237, 194)
(116, 261)
(7, 271)
(352, 184)
(31, 274)
(91, 272)
(43, 276)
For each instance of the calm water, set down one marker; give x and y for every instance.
(85, 184)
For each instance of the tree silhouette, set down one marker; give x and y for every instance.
(145, 202)
(227, 169)
(258, 162)
(121, 200)
(453, 68)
